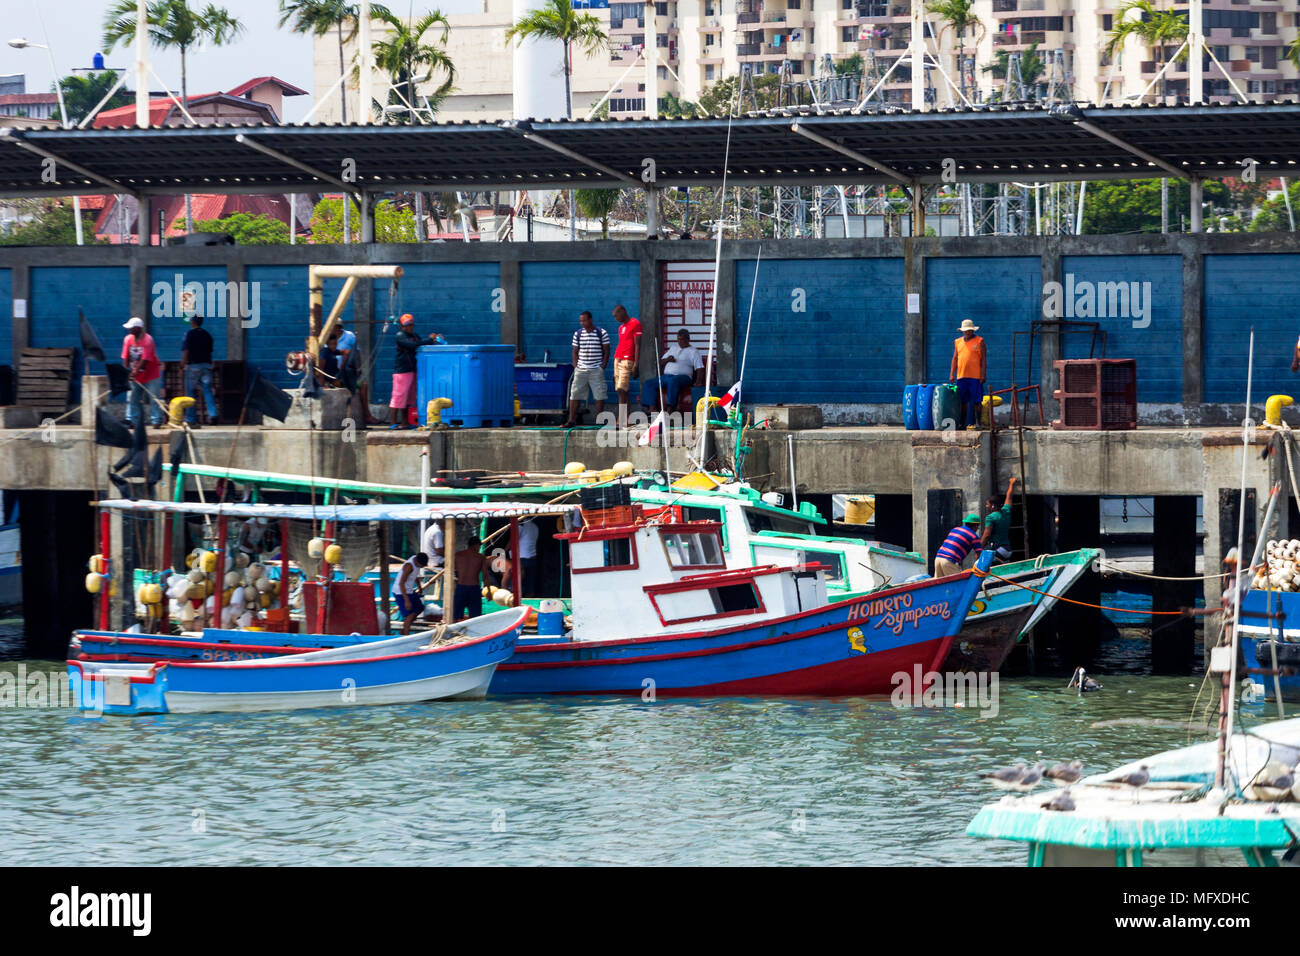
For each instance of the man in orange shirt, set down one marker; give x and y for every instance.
(970, 368)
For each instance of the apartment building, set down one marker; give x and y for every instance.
(698, 42)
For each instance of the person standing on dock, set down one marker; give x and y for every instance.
(196, 369)
(997, 524)
(472, 567)
(969, 371)
(406, 589)
(590, 359)
(961, 541)
(626, 359)
(403, 399)
(140, 356)
(348, 363)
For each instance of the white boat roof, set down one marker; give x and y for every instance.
(371, 512)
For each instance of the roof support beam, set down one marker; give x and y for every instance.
(576, 156)
(850, 153)
(245, 140)
(1074, 115)
(17, 139)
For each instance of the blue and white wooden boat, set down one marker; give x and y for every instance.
(455, 662)
(1263, 634)
(656, 610)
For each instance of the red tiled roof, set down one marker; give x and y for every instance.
(23, 99)
(125, 115)
(288, 89)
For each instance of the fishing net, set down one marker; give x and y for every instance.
(360, 544)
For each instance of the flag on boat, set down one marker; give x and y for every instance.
(653, 431)
(732, 397)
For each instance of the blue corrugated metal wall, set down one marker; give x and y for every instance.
(1241, 291)
(1158, 347)
(168, 332)
(1002, 295)
(102, 292)
(455, 299)
(282, 321)
(6, 309)
(555, 292)
(845, 346)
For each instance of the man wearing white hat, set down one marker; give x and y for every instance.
(970, 368)
(140, 356)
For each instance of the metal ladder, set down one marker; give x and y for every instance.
(1006, 466)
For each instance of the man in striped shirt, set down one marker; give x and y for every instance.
(960, 542)
(590, 357)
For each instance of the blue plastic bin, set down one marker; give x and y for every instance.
(479, 380)
(543, 387)
(924, 407)
(909, 406)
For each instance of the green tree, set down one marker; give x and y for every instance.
(720, 98)
(319, 17)
(559, 21)
(248, 229)
(1272, 215)
(850, 65)
(391, 223)
(676, 108)
(1126, 206)
(53, 224)
(597, 204)
(958, 16)
(1153, 27)
(81, 94)
(409, 61)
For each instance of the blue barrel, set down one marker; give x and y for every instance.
(479, 380)
(945, 406)
(550, 618)
(924, 407)
(909, 406)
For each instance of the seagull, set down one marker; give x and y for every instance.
(1081, 680)
(1031, 778)
(1136, 779)
(1272, 790)
(1007, 778)
(1061, 801)
(1066, 773)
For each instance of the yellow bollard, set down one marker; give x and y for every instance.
(985, 411)
(177, 408)
(1273, 408)
(433, 412)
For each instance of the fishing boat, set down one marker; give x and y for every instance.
(657, 610)
(758, 530)
(452, 662)
(1270, 639)
(1183, 813)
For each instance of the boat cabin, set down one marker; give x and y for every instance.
(656, 573)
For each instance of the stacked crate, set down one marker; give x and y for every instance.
(1096, 394)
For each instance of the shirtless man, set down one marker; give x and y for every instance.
(472, 567)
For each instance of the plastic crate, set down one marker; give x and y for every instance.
(542, 387)
(613, 495)
(610, 517)
(479, 380)
(1096, 394)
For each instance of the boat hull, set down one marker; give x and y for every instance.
(1256, 633)
(985, 645)
(857, 647)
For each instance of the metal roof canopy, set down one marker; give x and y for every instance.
(342, 513)
(988, 145)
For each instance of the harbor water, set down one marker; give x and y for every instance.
(562, 781)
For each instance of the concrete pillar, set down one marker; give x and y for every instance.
(1079, 629)
(138, 286)
(56, 536)
(144, 216)
(894, 520)
(367, 217)
(510, 292)
(648, 303)
(1174, 546)
(913, 306)
(1050, 345)
(236, 324)
(1197, 191)
(651, 212)
(725, 295)
(1193, 329)
(949, 478)
(918, 209)
(21, 289)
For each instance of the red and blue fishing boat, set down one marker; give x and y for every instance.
(656, 610)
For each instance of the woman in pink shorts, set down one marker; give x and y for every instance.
(404, 371)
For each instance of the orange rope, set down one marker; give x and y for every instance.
(1099, 607)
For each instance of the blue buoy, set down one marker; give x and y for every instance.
(924, 409)
(909, 406)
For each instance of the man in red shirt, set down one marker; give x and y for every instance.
(626, 357)
(140, 356)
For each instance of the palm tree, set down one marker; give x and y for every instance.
(559, 21)
(1032, 66)
(409, 61)
(81, 94)
(1153, 27)
(1293, 51)
(958, 17)
(319, 17)
(597, 204)
(173, 24)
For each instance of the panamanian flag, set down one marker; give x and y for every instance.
(653, 431)
(731, 398)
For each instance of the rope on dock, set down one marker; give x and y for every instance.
(1108, 568)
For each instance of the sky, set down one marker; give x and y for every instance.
(75, 32)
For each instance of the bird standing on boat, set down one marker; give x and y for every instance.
(1135, 779)
(1277, 786)
(1061, 801)
(1033, 776)
(1007, 778)
(1065, 773)
(1081, 680)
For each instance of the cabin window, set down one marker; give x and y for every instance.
(699, 513)
(708, 602)
(734, 598)
(617, 552)
(693, 550)
(603, 554)
(765, 521)
(833, 561)
(785, 556)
